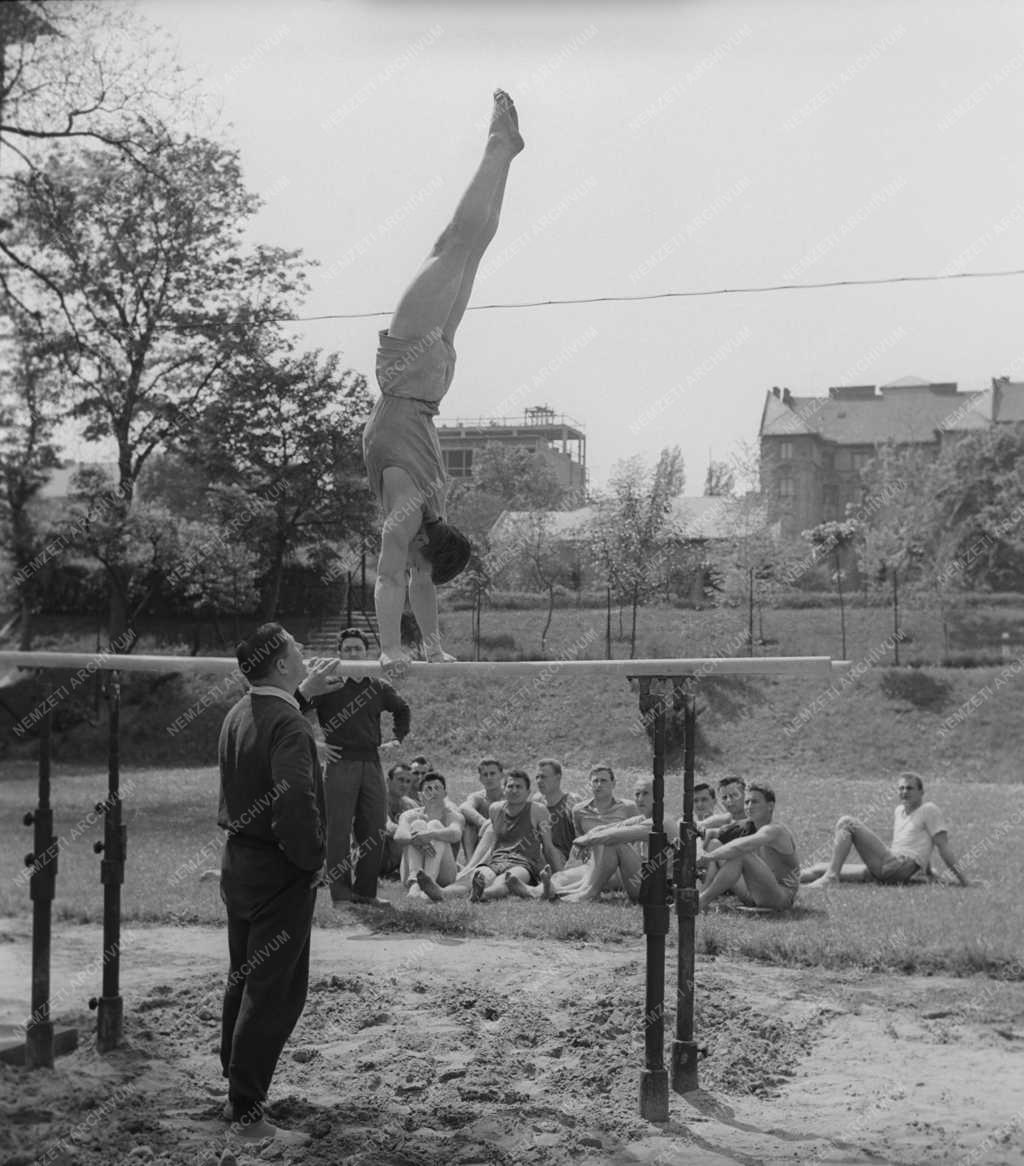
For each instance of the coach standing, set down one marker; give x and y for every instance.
(272, 807)
(356, 790)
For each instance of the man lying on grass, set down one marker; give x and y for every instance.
(917, 829)
(762, 869)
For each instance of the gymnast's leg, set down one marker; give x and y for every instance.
(436, 299)
(434, 303)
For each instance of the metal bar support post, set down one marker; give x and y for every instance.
(654, 900)
(42, 889)
(684, 1047)
(110, 1006)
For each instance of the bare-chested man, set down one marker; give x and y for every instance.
(761, 869)
(415, 366)
(476, 808)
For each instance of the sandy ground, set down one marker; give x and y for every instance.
(423, 1049)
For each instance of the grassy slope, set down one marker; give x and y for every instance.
(861, 732)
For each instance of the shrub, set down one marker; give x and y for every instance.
(916, 687)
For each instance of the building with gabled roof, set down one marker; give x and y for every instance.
(814, 448)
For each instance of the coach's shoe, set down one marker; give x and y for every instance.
(371, 901)
(257, 1131)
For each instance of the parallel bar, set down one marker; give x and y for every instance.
(822, 666)
(684, 1047)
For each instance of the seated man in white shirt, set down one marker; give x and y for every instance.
(427, 835)
(918, 828)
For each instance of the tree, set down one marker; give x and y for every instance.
(89, 72)
(632, 525)
(141, 276)
(835, 539)
(720, 481)
(521, 479)
(283, 440)
(28, 455)
(545, 560)
(217, 570)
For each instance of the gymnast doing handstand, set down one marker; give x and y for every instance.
(415, 365)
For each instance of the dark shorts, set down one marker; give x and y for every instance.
(413, 376)
(898, 868)
(503, 863)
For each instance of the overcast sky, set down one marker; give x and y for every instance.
(670, 147)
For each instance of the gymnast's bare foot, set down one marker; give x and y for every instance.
(439, 657)
(395, 665)
(505, 123)
(548, 891)
(429, 887)
(477, 888)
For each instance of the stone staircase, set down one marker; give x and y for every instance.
(323, 640)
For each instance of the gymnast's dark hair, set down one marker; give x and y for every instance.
(447, 551)
(433, 775)
(258, 653)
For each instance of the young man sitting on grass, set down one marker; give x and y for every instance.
(476, 808)
(762, 869)
(613, 852)
(517, 842)
(426, 835)
(918, 828)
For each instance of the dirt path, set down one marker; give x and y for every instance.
(420, 1049)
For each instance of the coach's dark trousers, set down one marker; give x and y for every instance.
(270, 912)
(357, 809)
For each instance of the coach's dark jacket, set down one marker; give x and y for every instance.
(271, 788)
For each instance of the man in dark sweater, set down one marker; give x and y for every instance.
(272, 807)
(357, 795)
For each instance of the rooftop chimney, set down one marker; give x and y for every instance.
(775, 390)
(786, 397)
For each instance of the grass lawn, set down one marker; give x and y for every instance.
(171, 819)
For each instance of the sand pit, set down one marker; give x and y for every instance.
(421, 1049)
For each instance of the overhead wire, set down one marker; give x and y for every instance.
(758, 289)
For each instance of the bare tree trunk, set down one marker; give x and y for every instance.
(547, 624)
(632, 630)
(26, 622)
(842, 606)
(608, 625)
(271, 596)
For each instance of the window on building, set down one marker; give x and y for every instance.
(844, 460)
(830, 498)
(786, 451)
(860, 460)
(785, 484)
(458, 462)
